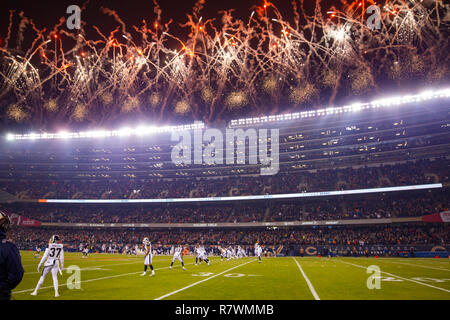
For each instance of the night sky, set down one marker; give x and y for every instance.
(47, 12)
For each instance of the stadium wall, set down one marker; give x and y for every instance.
(233, 225)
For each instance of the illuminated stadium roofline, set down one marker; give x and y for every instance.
(385, 102)
(259, 197)
(124, 132)
(148, 130)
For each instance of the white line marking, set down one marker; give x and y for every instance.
(417, 265)
(90, 280)
(88, 267)
(198, 282)
(105, 265)
(311, 288)
(393, 275)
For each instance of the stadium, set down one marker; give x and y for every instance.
(343, 201)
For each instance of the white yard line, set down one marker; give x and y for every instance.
(97, 279)
(88, 267)
(201, 281)
(393, 275)
(417, 265)
(136, 260)
(311, 288)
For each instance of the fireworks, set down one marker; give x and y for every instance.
(130, 104)
(16, 113)
(302, 93)
(329, 78)
(51, 105)
(182, 107)
(236, 100)
(79, 113)
(270, 85)
(207, 94)
(361, 80)
(260, 63)
(154, 99)
(107, 98)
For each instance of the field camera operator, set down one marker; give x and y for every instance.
(11, 270)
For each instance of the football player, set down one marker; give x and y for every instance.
(223, 253)
(198, 253)
(203, 255)
(53, 256)
(148, 257)
(85, 251)
(228, 253)
(258, 251)
(178, 255)
(37, 254)
(240, 252)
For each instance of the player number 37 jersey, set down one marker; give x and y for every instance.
(53, 253)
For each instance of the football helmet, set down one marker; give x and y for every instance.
(5, 222)
(146, 241)
(54, 239)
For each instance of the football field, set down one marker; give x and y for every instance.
(114, 276)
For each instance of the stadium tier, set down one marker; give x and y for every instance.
(381, 240)
(365, 138)
(377, 206)
(367, 170)
(225, 151)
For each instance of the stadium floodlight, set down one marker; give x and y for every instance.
(123, 132)
(141, 130)
(64, 135)
(355, 107)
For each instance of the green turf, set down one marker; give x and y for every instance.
(107, 276)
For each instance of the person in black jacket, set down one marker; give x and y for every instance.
(11, 270)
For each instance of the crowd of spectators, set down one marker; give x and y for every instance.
(405, 234)
(387, 175)
(404, 204)
(375, 207)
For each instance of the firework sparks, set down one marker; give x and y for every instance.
(182, 107)
(260, 63)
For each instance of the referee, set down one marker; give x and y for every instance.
(11, 270)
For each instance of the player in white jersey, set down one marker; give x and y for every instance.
(198, 253)
(203, 254)
(85, 251)
(228, 253)
(148, 257)
(53, 256)
(258, 251)
(37, 254)
(178, 255)
(223, 253)
(240, 252)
